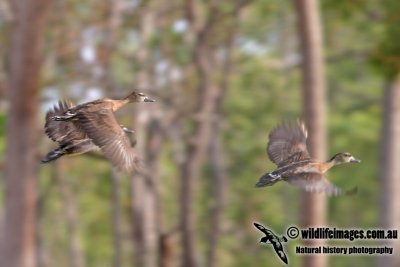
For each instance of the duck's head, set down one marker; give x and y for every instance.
(344, 157)
(139, 97)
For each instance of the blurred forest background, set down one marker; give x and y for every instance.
(224, 73)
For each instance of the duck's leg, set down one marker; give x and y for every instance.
(130, 134)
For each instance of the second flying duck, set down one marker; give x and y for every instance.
(90, 126)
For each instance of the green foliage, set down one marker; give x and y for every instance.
(386, 56)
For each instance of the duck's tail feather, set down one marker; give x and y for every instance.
(53, 155)
(267, 179)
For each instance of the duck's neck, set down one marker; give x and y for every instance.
(117, 104)
(328, 164)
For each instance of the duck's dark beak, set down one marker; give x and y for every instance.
(148, 99)
(354, 160)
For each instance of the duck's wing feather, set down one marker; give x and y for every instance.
(314, 182)
(105, 132)
(61, 131)
(287, 143)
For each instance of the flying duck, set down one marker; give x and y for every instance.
(92, 126)
(287, 148)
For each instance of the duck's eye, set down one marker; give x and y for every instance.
(347, 155)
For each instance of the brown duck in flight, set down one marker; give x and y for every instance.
(91, 126)
(287, 148)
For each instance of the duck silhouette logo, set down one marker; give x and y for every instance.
(274, 240)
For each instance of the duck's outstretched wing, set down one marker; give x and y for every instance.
(315, 182)
(287, 143)
(61, 131)
(105, 132)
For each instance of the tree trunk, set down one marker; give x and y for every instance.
(167, 251)
(146, 211)
(390, 169)
(219, 182)
(116, 218)
(75, 251)
(219, 185)
(209, 100)
(314, 113)
(18, 244)
(216, 146)
(199, 139)
(114, 13)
